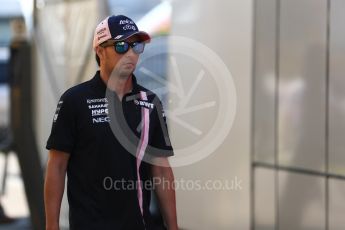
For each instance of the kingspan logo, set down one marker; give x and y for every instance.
(144, 104)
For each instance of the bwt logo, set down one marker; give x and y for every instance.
(144, 103)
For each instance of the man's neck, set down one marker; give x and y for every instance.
(119, 84)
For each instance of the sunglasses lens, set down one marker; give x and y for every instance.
(121, 47)
(138, 47)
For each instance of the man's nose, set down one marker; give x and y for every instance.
(131, 52)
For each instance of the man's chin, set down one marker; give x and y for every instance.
(126, 73)
(123, 73)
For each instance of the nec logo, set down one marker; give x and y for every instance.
(100, 120)
(144, 104)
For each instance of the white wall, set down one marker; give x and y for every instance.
(225, 26)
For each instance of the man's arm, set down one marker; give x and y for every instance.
(54, 187)
(165, 191)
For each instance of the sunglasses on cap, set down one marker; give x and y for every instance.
(122, 47)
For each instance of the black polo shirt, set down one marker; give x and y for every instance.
(102, 186)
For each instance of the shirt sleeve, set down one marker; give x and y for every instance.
(62, 136)
(160, 142)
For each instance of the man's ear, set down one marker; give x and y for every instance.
(100, 52)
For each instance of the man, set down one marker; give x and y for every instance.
(100, 165)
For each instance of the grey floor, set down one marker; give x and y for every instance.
(20, 224)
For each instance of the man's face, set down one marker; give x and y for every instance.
(122, 65)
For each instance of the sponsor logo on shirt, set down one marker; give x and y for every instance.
(99, 110)
(57, 111)
(91, 101)
(100, 120)
(144, 104)
(98, 106)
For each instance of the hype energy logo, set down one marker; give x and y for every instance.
(199, 99)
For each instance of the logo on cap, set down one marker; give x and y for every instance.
(128, 24)
(126, 21)
(101, 31)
